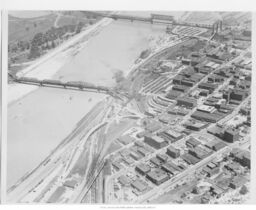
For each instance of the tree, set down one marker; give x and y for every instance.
(34, 52)
(79, 27)
(243, 190)
(38, 39)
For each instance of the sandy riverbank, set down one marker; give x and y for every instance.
(48, 65)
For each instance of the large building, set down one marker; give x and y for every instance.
(231, 135)
(186, 101)
(155, 141)
(171, 135)
(207, 86)
(192, 142)
(173, 152)
(143, 168)
(157, 176)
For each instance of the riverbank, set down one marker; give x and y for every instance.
(48, 65)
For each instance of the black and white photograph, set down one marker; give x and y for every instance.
(127, 105)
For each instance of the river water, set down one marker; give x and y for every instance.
(40, 120)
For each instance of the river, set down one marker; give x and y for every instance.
(39, 121)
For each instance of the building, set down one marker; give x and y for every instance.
(157, 176)
(117, 165)
(143, 168)
(216, 191)
(198, 152)
(136, 155)
(126, 139)
(210, 171)
(155, 141)
(171, 135)
(156, 161)
(208, 86)
(195, 125)
(139, 185)
(173, 94)
(192, 142)
(186, 102)
(215, 145)
(241, 156)
(190, 159)
(143, 151)
(162, 157)
(173, 152)
(238, 181)
(219, 146)
(208, 117)
(231, 135)
(235, 95)
(124, 180)
(238, 95)
(207, 109)
(71, 184)
(181, 88)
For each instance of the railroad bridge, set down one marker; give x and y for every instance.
(159, 19)
(74, 85)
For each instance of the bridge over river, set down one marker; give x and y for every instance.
(73, 85)
(158, 19)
